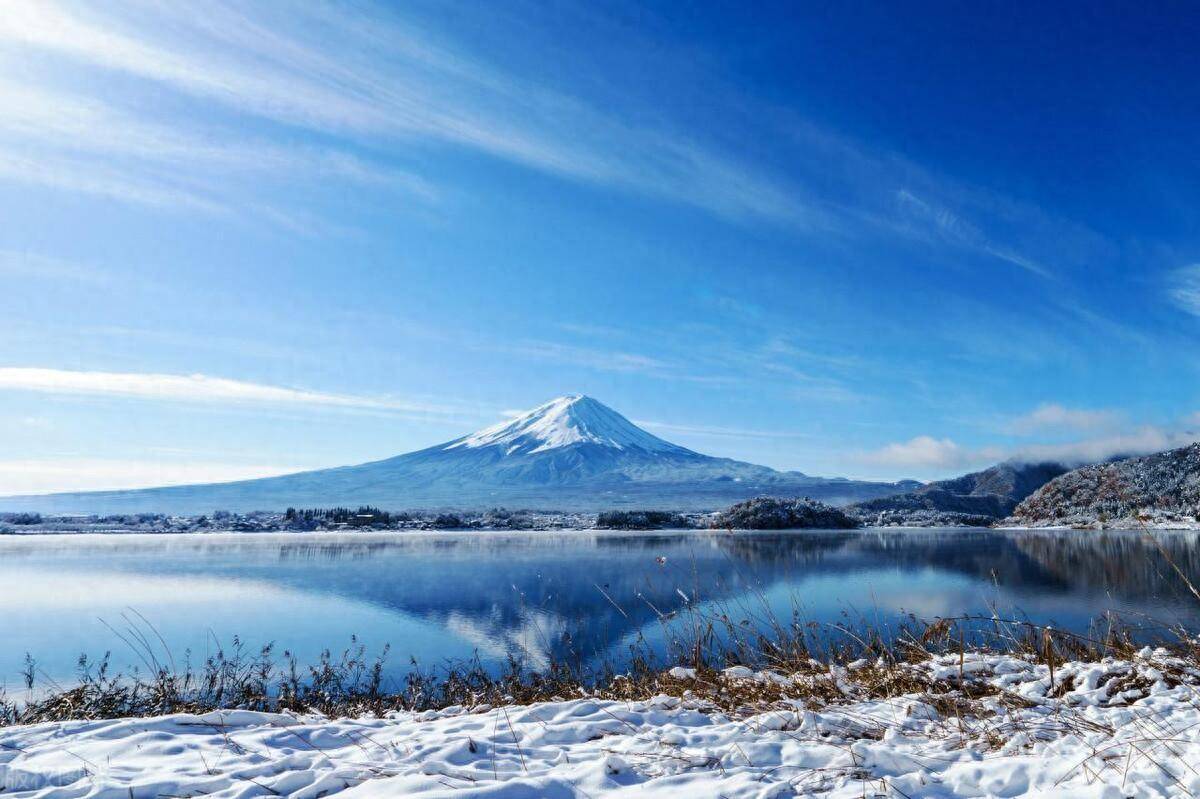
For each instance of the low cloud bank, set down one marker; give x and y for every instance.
(928, 455)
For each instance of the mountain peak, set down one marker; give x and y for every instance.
(562, 422)
(572, 453)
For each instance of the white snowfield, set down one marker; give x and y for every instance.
(1118, 731)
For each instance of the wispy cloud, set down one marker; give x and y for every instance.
(53, 119)
(26, 264)
(1184, 289)
(929, 456)
(330, 72)
(1141, 441)
(1052, 416)
(953, 228)
(882, 191)
(366, 76)
(79, 177)
(719, 431)
(199, 388)
(47, 475)
(603, 360)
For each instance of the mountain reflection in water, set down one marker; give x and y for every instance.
(543, 595)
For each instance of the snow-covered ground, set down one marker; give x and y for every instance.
(1112, 729)
(1163, 524)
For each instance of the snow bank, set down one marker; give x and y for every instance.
(1105, 730)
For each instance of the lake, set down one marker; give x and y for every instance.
(439, 597)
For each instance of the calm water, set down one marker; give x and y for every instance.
(445, 596)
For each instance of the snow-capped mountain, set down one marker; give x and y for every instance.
(572, 453)
(563, 422)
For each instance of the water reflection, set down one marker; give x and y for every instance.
(542, 595)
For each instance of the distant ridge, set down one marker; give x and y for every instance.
(572, 453)
(978, 498)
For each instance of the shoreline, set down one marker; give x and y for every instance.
(464, 531)
(1066, 729)
(417, 531)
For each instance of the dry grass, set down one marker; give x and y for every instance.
(813, 657)
(796, 665)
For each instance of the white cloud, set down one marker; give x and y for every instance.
(361, 77)
(927, 453)
(53, 119)
(1052, 416)
(606, 360)
(196, 388)
(1137, 442)
(1185, 289)
(328, 71)
(48, 475)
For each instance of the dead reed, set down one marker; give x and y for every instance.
(708, 643)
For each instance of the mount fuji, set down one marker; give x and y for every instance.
(572, 453)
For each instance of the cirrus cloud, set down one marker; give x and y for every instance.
(199, 388)
(314, 67)
(1184, 289)
(49, 475)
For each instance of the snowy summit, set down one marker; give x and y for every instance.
(561, 422)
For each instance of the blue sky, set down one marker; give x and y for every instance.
(843, 238)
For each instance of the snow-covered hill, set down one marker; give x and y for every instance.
(978, 498)
(1160, 490)
(572, 453)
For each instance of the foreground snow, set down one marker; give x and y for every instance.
(1117, 730)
